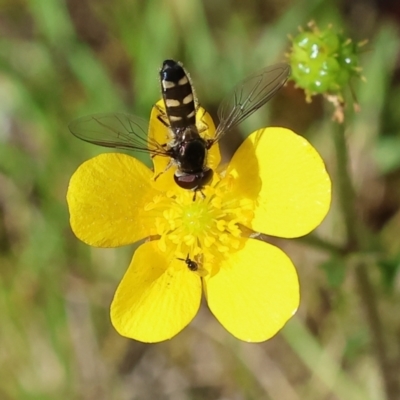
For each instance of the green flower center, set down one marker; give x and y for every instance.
(196, 217)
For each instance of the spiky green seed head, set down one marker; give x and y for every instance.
(323, 61)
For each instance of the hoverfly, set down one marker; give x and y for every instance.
(187, 149)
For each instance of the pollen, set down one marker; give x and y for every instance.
(205, 228)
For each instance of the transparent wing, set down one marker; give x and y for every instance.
(116, 130)
(249, 95)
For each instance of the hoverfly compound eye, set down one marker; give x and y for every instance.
(193, 181)
(207, 176)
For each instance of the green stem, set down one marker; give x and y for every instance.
(355, 234)
(368, 298)
(345, 188)
(322, 244)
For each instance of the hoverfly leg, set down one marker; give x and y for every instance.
(162, 117)
(164, 146)
(169, 165)
(209, 143)
(201, 124)
(195, 194)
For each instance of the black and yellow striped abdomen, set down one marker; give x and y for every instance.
(178, 95)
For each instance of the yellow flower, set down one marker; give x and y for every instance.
(276, 183)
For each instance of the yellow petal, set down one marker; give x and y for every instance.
(255, 292)
(155, 299)
(161, 134)
(287, 177)
(106, 199)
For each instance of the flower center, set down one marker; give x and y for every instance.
(202, 229)
(196, 217)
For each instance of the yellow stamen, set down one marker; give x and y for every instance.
(205, 228)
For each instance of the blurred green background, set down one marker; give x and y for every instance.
(61, 59)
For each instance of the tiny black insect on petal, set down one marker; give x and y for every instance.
(192, 265)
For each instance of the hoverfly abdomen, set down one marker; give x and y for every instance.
(178, 95)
